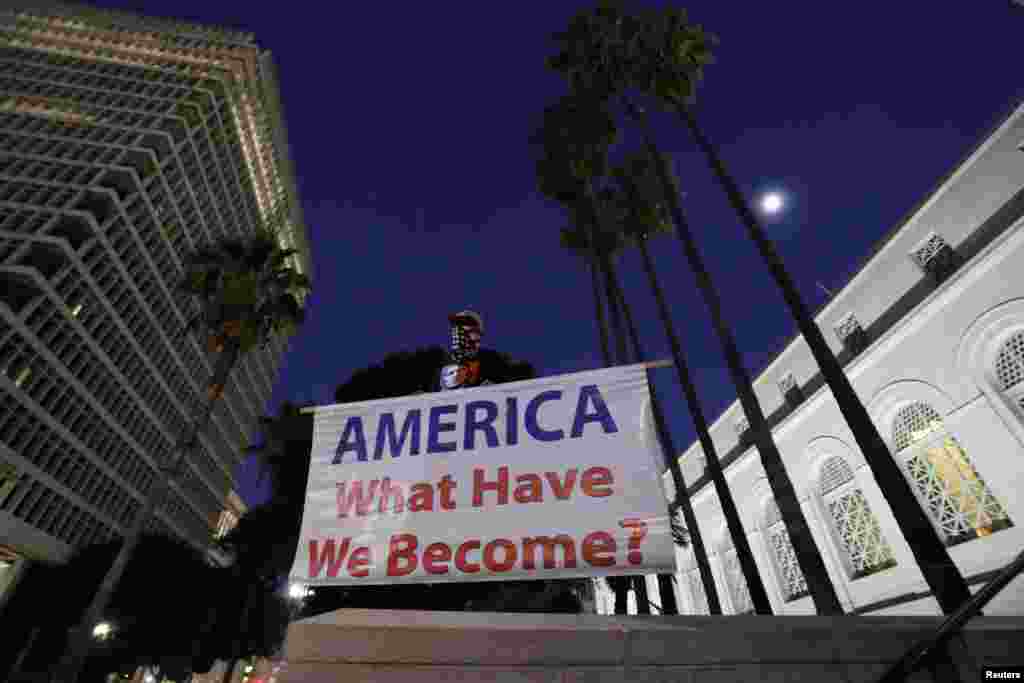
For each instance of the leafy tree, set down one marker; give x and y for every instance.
(166, 610)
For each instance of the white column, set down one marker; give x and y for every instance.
(773, 583)
(721, 583)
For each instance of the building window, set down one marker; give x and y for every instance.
(855, 525)
(697, 594)
(851, 334)
(1010, 369)
(959, 502)
(935, 257)
(787, 566)
(736, 584)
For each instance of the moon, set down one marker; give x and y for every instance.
(772, 203)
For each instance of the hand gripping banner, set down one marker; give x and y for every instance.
(557, 477)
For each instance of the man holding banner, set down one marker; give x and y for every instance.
(550, 478)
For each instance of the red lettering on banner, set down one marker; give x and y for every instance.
(595, 546)
(481, 485)
(461, 563)
(529, 490)
(422, 498)
(391, 492)
(594, 477)
(446, 486)
(562, 491)
(548, 544)
(317, 557)
(398, 552)
(508, 549)
(355, 497)
(358, 560)
(434, 554)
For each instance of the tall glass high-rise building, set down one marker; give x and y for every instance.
(125, 142)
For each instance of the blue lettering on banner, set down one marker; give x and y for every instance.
(436, 427)
(479, 418)
(533, 428)
(473, 425)
(386, 434)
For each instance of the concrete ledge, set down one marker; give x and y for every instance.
(384, 645)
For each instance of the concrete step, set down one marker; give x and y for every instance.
(388, 646)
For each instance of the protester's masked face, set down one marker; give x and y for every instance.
(465, 341)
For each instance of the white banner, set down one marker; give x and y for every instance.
(552, 478)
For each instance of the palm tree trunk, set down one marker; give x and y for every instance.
(733, 522)
(617, 302)
(941, 574)
(614, 312)
(668, 448)
(811, 564)
(602, 326)
(70, 666)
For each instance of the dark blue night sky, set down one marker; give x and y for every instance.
(409, 123)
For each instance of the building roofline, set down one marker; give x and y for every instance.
(1015, 108)
(135, 21)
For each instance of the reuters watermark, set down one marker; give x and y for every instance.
(1002, 673)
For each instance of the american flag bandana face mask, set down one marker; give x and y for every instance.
(465, 342)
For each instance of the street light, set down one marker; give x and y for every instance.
(102, 630)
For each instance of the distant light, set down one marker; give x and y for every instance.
(76, 309)
(102, 630)
(296, 591)
(149, 678)
(772, 203)
(248, 668)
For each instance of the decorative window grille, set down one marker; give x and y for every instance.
(1010, 369)
(696, 586)
(851, 334)
(956, 498)
(856, 526)
(737, 585)
(794, 586)
(935, 257)
(791, 391)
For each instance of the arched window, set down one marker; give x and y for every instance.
(1009, 369)
(856, 528)
(787, 567)
(696, 586)
(960, 504)
(737, 585)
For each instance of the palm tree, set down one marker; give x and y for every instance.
(667, 64)
(603, 54)
(573, 140)
(592, 62)
(247, 293)
(575, 239)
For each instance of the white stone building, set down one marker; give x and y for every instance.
(931, 334)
